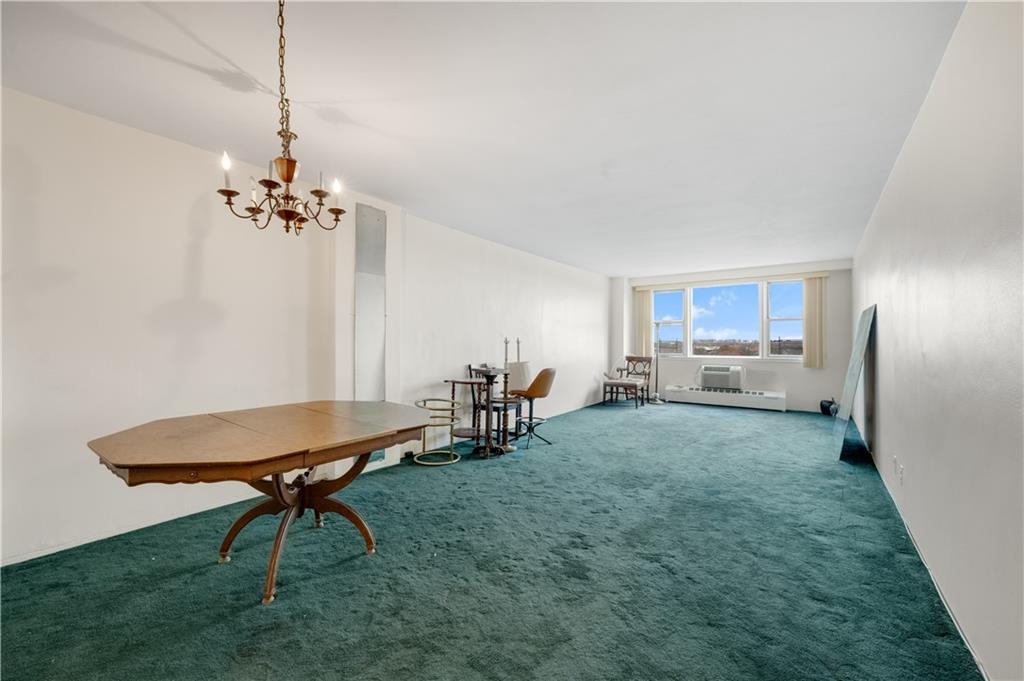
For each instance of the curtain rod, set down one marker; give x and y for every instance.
(735, 280)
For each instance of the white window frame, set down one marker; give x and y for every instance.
(767, 319)
(683, 323)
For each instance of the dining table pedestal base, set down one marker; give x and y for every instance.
(294, 498)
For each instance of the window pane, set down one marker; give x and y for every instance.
(786, 299)
(668, 306)
(669, 339)
(786, 338)
(726, 320)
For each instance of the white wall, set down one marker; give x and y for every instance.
(805, 388)
(463, 295)
(130, 295)
(941, 257)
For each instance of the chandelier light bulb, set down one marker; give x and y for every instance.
(225, 163)
(336, 189)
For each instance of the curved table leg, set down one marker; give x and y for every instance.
(294, 498)
(268, 507)
(270, 585)
(328, 487)
(333, 505)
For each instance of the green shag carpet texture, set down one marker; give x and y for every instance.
(671, 542)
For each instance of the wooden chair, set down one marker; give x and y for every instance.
(634, 380)
(638, 368)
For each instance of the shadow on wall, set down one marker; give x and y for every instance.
(320, 329)
(22, 255)
(189, 317)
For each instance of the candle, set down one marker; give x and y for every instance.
(270, 170)
(252, 188)
(321, 179)
(336, 188)
(225, 163)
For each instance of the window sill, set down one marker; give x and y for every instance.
(724, 359)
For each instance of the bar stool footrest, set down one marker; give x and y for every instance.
(449, 459)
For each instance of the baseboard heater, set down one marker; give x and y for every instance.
(727, 397)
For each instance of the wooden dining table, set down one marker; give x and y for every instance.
(260, 447)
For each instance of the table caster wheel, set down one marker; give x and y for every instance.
(371, 552)
(318, 523)
(224, 558)
(267, 600)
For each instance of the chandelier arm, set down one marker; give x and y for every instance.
(310, 214)
(321, 225)
(266, 222)
(272, 203)
(231, 207)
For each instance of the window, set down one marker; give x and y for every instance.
(785, 318)
(761, 319)
(726, 320)
(669, 322)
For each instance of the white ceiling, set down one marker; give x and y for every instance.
(625, 139)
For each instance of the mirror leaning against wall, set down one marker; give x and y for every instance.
(370, 307)
(370, 303)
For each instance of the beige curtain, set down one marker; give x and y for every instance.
(642, 319)
(814, 322)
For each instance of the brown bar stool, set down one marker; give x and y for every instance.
(539, 388)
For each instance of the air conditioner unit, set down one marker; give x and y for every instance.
(721, 376)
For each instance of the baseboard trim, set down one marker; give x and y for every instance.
(931, 575)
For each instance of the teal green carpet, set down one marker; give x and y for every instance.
(673, 542)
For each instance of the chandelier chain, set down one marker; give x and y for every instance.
(284, 105)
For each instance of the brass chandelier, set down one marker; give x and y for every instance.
(290, 207)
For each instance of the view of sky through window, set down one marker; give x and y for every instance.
(785, 336)
(786, 299)
(669, 313)
(726, 320)
(668, 305)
